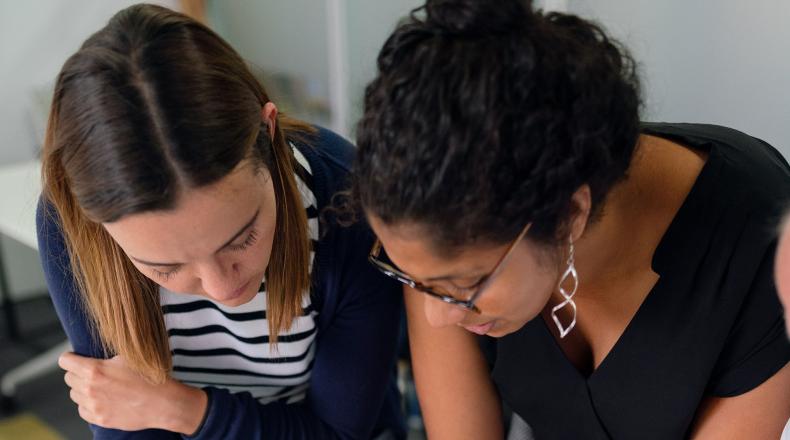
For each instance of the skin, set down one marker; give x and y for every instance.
(616, 276)
(782, 268)
(216, 244)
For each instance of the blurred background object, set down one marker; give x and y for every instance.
(715, 61)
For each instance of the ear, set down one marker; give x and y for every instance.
(582, 201)
(269, 117)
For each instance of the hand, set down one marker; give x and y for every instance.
(111, 395)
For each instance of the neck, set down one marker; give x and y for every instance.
(636, 214)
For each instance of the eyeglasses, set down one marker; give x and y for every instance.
(437, 292)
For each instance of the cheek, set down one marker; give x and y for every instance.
(519, 294)
(256, 257)
(254, 260)
(523, 295)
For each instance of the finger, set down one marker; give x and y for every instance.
(94, 416)
(80, 365)
(86, 415)
(76, 397)
(73, 381)
(70, 361)
(65, 360)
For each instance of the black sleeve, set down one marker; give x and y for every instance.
(757, 346)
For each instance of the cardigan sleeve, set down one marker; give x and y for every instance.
(65, 298)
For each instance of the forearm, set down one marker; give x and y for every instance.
(457, 403)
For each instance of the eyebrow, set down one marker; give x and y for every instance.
(227, 243)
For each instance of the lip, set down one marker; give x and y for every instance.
(480, 329)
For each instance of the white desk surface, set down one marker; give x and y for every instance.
(20, 186)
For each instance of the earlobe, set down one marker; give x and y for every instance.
(269, 117)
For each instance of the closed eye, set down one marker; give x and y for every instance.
(473, 286)
(463, 291)
(252, 237)
(165, 276)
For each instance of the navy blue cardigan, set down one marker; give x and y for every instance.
(352, 387)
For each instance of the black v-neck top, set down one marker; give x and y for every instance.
(711, 326)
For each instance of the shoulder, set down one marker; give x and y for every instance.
(751, 158)
(341, 250)
(334, 149)
(330, 157)
(728, 238)
(743, 169)
(327, 158)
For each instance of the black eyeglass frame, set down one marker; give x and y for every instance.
(393, 272)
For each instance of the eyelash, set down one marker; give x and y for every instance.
(251, 239)
(165, 276)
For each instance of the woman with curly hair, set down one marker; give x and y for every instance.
(623, 268)
(181, 239)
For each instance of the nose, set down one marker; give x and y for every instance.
(440, 314)
(219, 279)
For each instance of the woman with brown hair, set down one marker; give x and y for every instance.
(623, 268)
(181, 241)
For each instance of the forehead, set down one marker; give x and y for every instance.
(411, 249)
(202, 219)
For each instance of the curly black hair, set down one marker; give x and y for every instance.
(486, 115)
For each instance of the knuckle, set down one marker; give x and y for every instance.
(91, 391)
(93, 373)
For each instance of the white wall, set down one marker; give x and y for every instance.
(281, 37)
(369, 23)
(36, 38)
(719, 61)
(291, 37)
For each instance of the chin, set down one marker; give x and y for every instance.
(235, 302)
(505, 329)
(243, 298)
(500, 331)
(238, 301)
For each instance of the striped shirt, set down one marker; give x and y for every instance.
(228, 347)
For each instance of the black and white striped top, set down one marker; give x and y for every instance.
(228, 347)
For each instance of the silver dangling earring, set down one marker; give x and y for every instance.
(569, 272)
